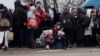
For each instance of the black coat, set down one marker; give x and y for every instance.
(19, 17)
(80, 24)
(8, 15)
(97, 24)
(45, 25)
(66, 20)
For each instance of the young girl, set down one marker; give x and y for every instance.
(49, 40)
(58, 36)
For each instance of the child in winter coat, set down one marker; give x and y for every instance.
(47, 37)
(58, 35)
(49, 40)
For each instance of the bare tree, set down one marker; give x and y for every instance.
(68, 3)
(29, 1)
(58, 3)
(34, 2)
(81, 1)
(46, 7)
(55, 3)
(76, 3)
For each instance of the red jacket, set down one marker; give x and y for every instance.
(40, 17)
(49, 38)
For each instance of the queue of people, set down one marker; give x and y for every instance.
(33, 27)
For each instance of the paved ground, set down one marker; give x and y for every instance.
(60, 52)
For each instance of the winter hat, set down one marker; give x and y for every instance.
(26, 5)
(38, 2)
(32, 8)
(58, 24)
(17, 3)
(2, 6)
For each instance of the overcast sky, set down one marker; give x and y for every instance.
(8, 3)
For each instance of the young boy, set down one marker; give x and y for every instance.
(58, 36)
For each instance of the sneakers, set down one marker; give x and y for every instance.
(47, 47)
(5, 48)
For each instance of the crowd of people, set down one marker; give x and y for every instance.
(33, 27)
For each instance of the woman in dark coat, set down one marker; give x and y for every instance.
(19, 19)
(66, 20)
(96, 28)
(4, 13)
(81, 21)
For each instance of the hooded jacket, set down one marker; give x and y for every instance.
(19, 15)
(5, 13)
(66, 19)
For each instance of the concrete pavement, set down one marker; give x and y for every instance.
(58, 52)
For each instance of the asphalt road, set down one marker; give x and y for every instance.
(58, 52)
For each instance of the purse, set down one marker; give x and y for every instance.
(10, 36)
(4, 23)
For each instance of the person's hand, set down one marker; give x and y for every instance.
(76, 16)
(37, 13)
(10, 28)
(62, 29)
(25, 24)
(28, 27)
(59, 38)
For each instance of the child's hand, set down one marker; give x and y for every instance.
(62, 29)
(59, 38)
(37, 13)
(28, 27)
